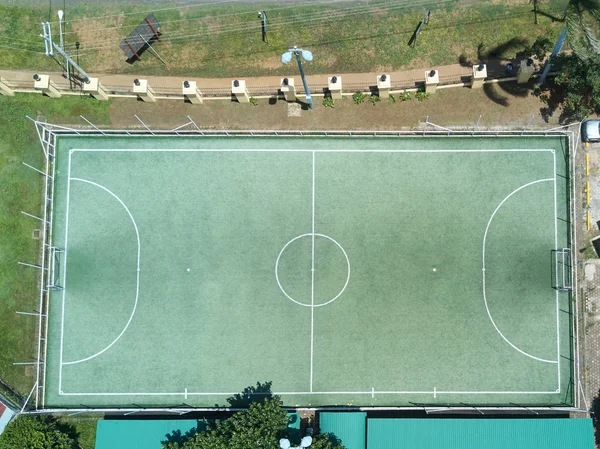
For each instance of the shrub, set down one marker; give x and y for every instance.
(405, 96)
(374, 99)
(392, 98)
(422, 95)
(328, 102)
(254, 101)
(358, 97)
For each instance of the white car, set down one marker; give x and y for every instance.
(590, 130)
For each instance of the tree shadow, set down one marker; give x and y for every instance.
(178, 438)
(502, 50)
(501, 63)
(595, 412)
(64, 427)
(550, 16)
(332, 438)
(493, 93)
(251, 394)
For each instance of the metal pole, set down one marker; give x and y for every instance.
(555, 51)
(60, 31)
(308, 97)
(33, 216)
(45, 41)
(39, 171)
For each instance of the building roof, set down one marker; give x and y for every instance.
(5, 416)
(140, 434)
(350, 428)
(480, 433)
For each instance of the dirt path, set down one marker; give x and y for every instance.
(442, 108)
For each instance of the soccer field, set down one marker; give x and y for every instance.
(366, 271)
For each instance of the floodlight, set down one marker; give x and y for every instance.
(136, 82)
(36, 77)
(259, 14)
(306, 441)
(186, 84)
(286, 57)
(60, 14)
(284, 443)
(307, 55)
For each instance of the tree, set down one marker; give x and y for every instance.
(36, 432)
(582, 21)
(577, 85)
(261, 426)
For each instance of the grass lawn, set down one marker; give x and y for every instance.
(225, 40)
(21, 190)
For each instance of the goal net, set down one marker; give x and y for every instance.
(56, 255)
(561, 269)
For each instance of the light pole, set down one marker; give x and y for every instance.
(307, 55)
(62, 46)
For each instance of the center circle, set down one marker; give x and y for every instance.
(312, 270)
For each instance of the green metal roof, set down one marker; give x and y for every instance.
(139, 434)
(480, 433)
(351, 428)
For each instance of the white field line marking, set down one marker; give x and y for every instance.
(306, 393)
(186, 393)
(312, 275)
(484, 292)
(137, 287)
(277, 269)
(557, 305)
(62, 322)
(434, 392)
(314, 151)
(264, 150)
(372, 392)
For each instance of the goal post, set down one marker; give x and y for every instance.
(56, 255)
(561, 269)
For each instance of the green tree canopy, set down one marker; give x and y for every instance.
(577, 86)
(261, 426)
(36, 432)
(583, 23)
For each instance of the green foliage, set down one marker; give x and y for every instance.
(577, 85)
(254, 101)
(582, 22)
(326, 441)
(358, 97)
(37, 432)
(405, 96)
(328, 102)
(540, 48)
(374, 99)
(84, 428)
(421, 95)
(393, 98)
(260, 426)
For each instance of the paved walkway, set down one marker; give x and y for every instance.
(447, 72)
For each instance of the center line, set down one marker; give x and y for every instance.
(312, 271)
